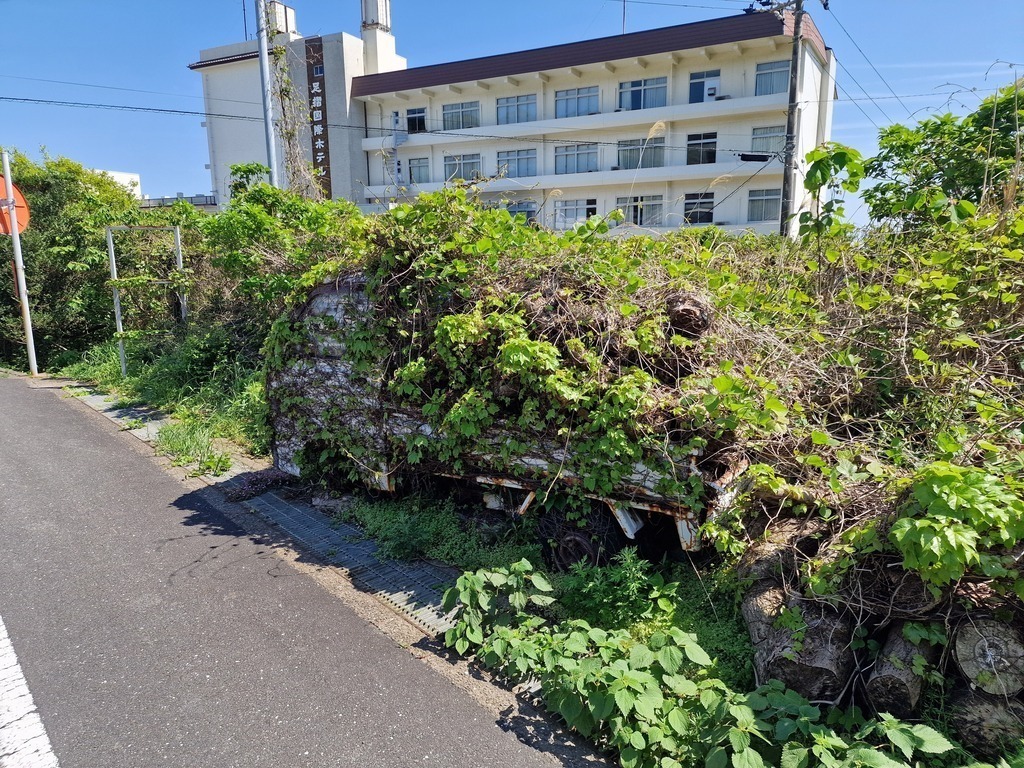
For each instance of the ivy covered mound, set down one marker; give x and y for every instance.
(872, 387)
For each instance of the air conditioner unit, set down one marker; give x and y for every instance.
(616, 168)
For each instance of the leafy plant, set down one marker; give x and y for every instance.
(189, 443)
(958, 518)
(654, 701)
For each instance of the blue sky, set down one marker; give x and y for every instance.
(938, 56)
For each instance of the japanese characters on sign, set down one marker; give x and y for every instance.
(317, 98)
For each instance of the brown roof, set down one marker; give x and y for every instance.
(732, 29)
(224, 60)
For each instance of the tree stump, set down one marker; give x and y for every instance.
(990, 655)
(893, 687)
(990, 727)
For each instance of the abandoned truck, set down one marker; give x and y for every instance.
(341, 370)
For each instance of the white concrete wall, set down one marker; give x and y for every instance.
(130, 181)
(232, 89)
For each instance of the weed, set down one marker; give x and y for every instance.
(424, 527)
(189, 443)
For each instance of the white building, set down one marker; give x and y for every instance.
(676, 126)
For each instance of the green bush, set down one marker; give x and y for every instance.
(654, 701)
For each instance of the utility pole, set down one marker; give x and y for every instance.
(267, 80)
(789, 161)
(19, 264)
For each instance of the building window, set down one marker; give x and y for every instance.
(764, 205)
(517, 163)
(517, 109)
(641, 153)
(700, 82)
(318, 70)
(458, 116)
(527, 208)
(643, 94)
(701, 148)
(578, 158)
(419, 170)
(574, 102)
(770, 140)
(772, 77)
(568, 213)
(462, 167)
(642, 210)
(416, 120)
(699, 208)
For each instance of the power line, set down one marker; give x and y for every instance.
(864, 91)
(121, 88)
(871, 64)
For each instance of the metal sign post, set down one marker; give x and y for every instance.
(179, 262)
(19, 264)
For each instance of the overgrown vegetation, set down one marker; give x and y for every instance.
(654, 699)
(873, 381)
(423, 527)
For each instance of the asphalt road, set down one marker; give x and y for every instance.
(152, 631)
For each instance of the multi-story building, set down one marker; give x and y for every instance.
(677, 126)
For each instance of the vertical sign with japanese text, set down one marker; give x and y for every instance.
(317, 97)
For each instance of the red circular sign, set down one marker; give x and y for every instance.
(5, 215)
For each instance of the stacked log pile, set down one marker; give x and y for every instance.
(808, 644)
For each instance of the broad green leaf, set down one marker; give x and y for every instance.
(670, 658)
(640, 657)
(696, 654)
(871, 758)
(540, 582)
(648, 703)
(930, 740)
(570, 708)
(624, 700)
(794, 756)
(902, 740)
(451, 599)
(677, 720)
(601, 705)
(717, 758)
(748, 758)
(739, 740)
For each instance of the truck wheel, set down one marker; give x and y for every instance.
(593, 539)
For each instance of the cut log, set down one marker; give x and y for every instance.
(893, 687)
(990, 655)
(817, 660)
(765, 560)
(761, 608)
(989, 727)
(688, 315)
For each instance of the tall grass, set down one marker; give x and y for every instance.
(201, 379)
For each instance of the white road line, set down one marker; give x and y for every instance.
(23, 740)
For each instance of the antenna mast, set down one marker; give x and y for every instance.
(624, 16)
(245, 21)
